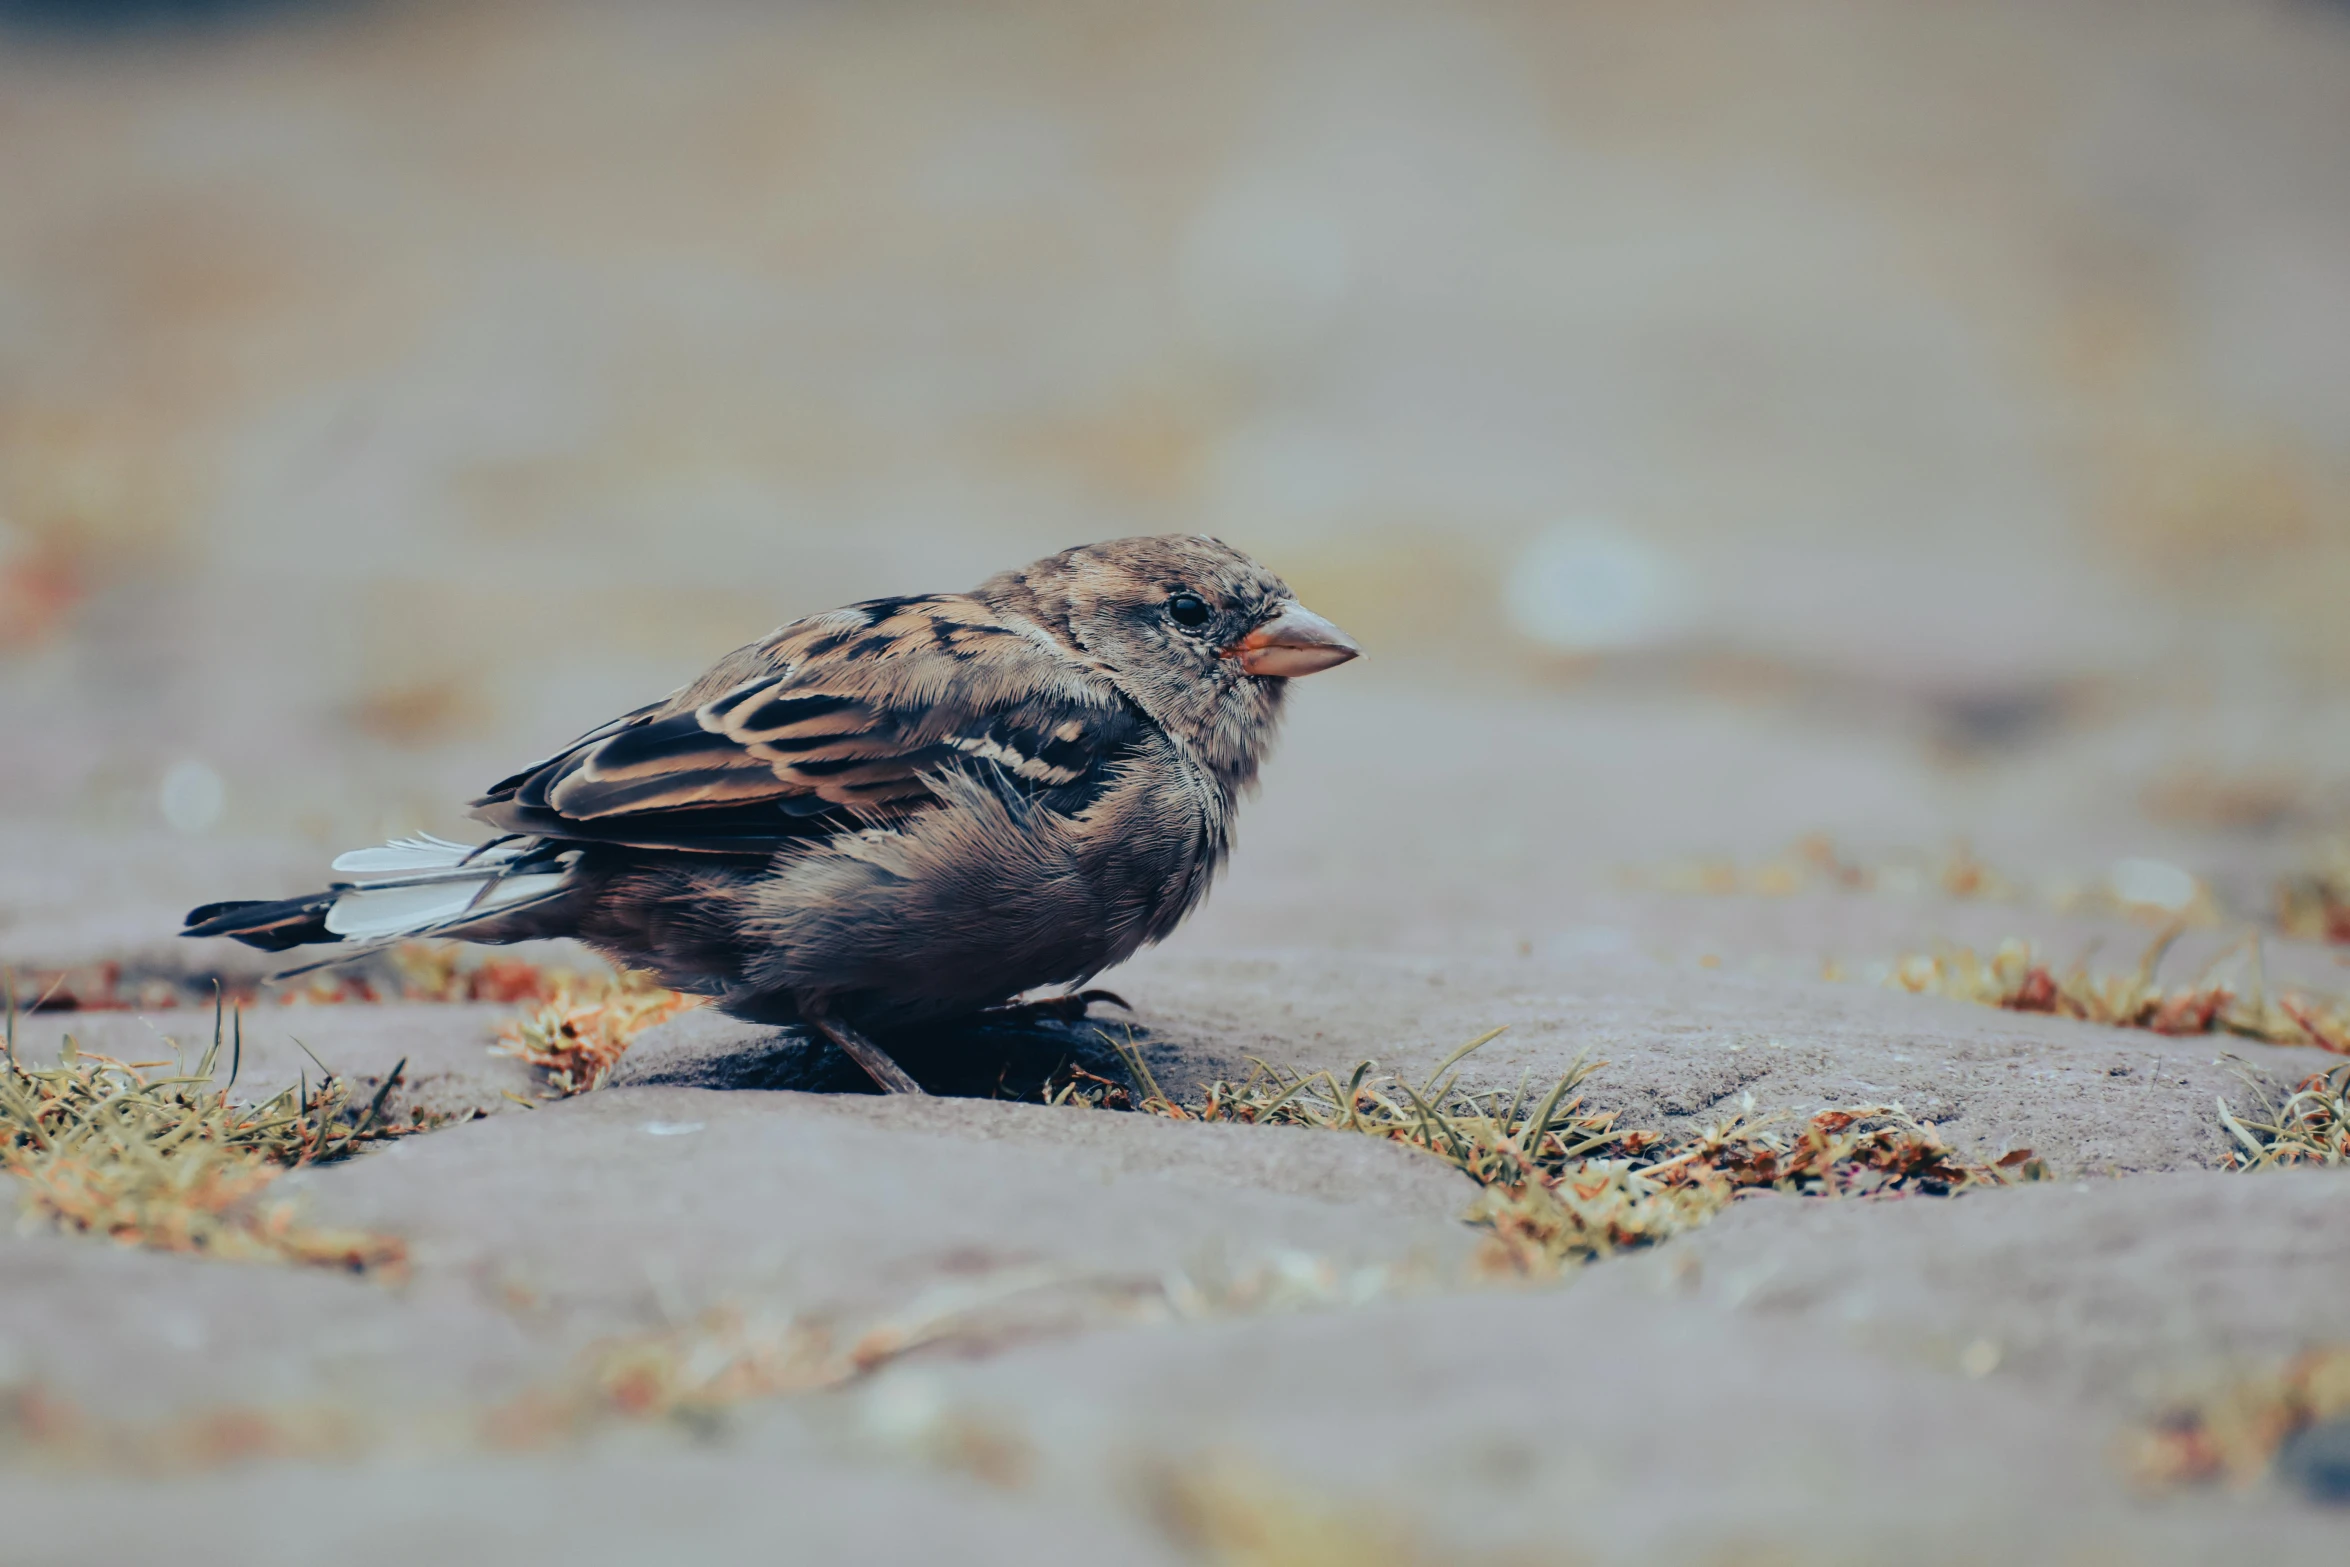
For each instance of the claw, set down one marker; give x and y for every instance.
(1060, 1009)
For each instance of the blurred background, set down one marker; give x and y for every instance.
(1890, 419)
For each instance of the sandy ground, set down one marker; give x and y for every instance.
(1947, 404)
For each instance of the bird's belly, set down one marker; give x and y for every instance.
(969, 908)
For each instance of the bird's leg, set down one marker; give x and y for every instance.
(1059, 1009)
(876, 1062)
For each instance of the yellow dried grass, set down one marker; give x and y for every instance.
(1814, 864)
(171, 1163)
(2310, 1125)
(2015, 978)
(2232, 1433)
(578, 1032)
(1226, 1507)
(2315, 905)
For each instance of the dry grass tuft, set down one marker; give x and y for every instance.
(2316, 904)
(2311, 1125)
(1863, 1151)
(725, 1357)
(2019, 981)
(447, 971)
(1562, 1184)
(1601, 1206)
(577, 1032)
(1224, 1508)
(1813, 864)
(96, 987)
(2234, 1432)
(37, 1422)
(695, 1370)
(438, 971)
(435, 971)
(171, 1163)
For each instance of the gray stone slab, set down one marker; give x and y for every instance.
(633, 1207)
(1336, 1167)
(1524, 814)
(142, 1336)
(2114, 1293)
(1786, 1381)
(616, 1504)
(534, 1235)
(1589, 1425)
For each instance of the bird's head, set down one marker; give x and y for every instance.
(1202, 638)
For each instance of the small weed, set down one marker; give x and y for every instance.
(2233, 1433)
(1863, 1151)
(431, 971)
(2315, 905)
(2016, 979)
(171, 1163)
(1227, 1509)
(693, 1372)
(1813, 864)
(578, 1031)
(446, 971)
(2310, 1125)
(2140, 890)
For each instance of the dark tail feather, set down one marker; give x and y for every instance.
(273, 927)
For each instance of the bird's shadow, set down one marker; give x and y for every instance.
(983, 1058)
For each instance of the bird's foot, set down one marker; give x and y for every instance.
(887, 1075)
(1056, 1009)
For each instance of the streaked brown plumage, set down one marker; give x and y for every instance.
(894, 813)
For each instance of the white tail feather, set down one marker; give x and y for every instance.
(363, 915)
(428, 882)
(423, 852)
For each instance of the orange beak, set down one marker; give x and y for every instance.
(1294, 642)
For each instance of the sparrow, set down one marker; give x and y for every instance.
(890, 815)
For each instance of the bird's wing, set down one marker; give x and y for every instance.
(835, 720)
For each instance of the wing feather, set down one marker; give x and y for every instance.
(833, 721)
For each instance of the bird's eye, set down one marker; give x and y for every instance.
(1188, 610)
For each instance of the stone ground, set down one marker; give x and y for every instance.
(1902, 422)
(1122, 1334)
